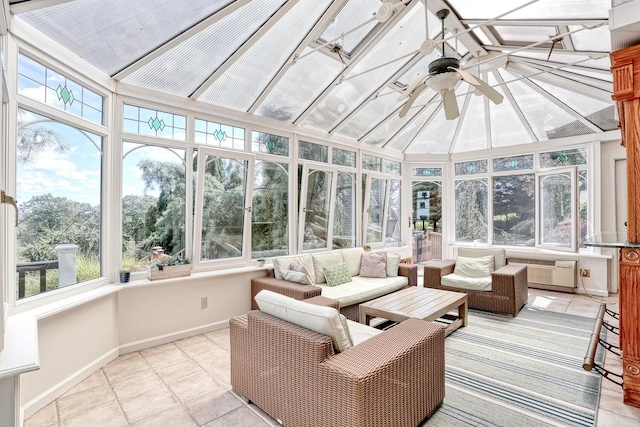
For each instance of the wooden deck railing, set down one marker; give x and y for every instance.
(427, 245)
(42, 266)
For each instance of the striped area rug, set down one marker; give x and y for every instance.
(523, 371)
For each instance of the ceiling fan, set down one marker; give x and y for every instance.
(444, 74)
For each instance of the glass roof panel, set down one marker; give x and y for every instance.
(389, 128)
(366, 118)
(421, 68)
(506, 127)
(482, 37)
(252, 72)
(184, 68)
(303, 81)
(543, 9)
(598, 112)
(111, 41)
(597, 39)
(354, 13)
(437, 137)
(473, 130)
(547, 120)
(350, 93)
(524, 34)
(603, 63)
(404, 137)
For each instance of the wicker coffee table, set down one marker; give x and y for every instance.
(422, 303)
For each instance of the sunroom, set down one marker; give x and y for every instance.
(223, 133)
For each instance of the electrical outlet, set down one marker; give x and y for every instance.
(203, 303)
(585, 273)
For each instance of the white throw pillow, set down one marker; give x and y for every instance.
(296, 276)
(474, 267)
(284, 263)
(393, 263)
(322, 319)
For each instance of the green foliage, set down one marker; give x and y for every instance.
(47, 221)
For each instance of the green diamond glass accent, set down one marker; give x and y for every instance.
(220, 135)
(156, 124)
(65, 95)
(270, 145)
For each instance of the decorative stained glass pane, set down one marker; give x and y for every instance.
(426, 171)
(225, 136)
(392, 166)
(39, 82)
(262, 142)
(577, 156)
(471, 168)
(145, 121)
(344, 158)
(311, 151)
(371, 163)
(513, 163)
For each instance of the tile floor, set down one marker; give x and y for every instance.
(186, 383)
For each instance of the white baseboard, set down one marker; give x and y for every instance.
(48, 396)
(174, 336)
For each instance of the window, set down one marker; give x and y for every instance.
(49, 87)
(270, 210)
(514, 210)
(392, 222)
(316, 211)
(375, 197)
(344, 158)
(147, 121)
(267, 143)
(153, 203)
(59, 186)
(223, 206)
(311, 151)
(557, 205)
(344, 221)
(220, 135)
(371, 163)
(472, 216)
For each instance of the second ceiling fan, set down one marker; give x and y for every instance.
(444, 74)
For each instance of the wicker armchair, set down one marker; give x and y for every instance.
(509, 290)
(395, 378)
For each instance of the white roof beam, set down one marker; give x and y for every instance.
(452, 22)
(536, 22)
(544, 50)
(554, 64)
(361, 54)
(568, 84)
(175, 41)
(317, 29)
(562, 105)
(248, 44)
(600, 84)
(31, 5)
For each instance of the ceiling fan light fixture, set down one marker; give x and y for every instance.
(444, 81)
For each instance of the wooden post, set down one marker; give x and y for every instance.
(625, 67)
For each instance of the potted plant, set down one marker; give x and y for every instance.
(367, 248)
(261, 261)
(125, 275)
(168, 267)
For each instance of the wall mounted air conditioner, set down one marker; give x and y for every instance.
(549, 272)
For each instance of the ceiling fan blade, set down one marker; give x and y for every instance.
(489, 92)
(451, 110)
(407, 91)
(466, 76)
(412, 99)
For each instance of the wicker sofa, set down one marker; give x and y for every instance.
(296, 375)
(349, 295)
(507, 292)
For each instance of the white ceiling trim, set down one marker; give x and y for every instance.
(536, 22)
(175, 41)
(317, 29)
(31, 5)
(248, 44)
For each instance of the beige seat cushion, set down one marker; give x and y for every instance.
(474, 267)
(360, 333)
(351, 257)
(463, 282)
(325, 259)
(321, 319)
(362, 289)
